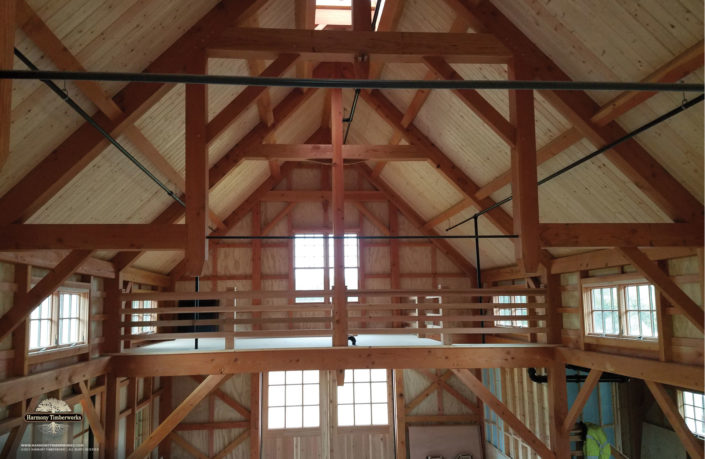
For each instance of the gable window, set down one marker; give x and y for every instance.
(510, 312)
(622, 308)
(293, 400)
(363, 399)
(60, 320)
(691, 406)
(145, 305)
(313, 263)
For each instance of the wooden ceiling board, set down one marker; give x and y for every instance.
(276, 14)
(304, 122)
(109, 190)
(237, 186)
(425, 16)
(161, 262)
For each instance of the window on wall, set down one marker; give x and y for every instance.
(293, 399)
(313, 263)
(363, 399)
(510, 312)
(691, 406)
(60, 320)
(146, 316)
(620, 309)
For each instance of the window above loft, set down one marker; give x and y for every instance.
(514, 314)
(60, 320)
(622, 308)
(338, 13)
(314, 259)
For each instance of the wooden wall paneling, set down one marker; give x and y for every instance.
(340, 326)
(7, 45)
(177, 415)
(692, 444)
(196, 171)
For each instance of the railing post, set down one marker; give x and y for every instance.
(111, 307)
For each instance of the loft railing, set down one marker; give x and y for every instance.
(437, 314)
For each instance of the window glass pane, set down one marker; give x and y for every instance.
(345, 393)
(362, 392)
(276, 377)
(633, 322)
(34, 334)
(294, 395)
(378, 374)
(312, 416)
(646, 323)
(308, 251)
(346, 416)
(380, 415)
(308, 279)
(311, 394)
(361, 375)
(363, 415)
(294, 417)
(644, 298)
(631, 297)
(596, 300)
(351, 280)
(294, 377)
(597, 322)
(379, 392)
(276, 396)
(612, 323)
(311, 376)
(276, 418)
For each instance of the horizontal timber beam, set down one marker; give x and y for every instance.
(673, 374)
(509, 356)
(347, 46)
(23, 388)
(302, 152)
(96, 237)
(323, 195)
(620, 234)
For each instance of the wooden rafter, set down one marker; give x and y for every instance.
(33, 26)
(693, 445)
(177, 415)
(664, 284)
(503, 412)
(85, 144)
(630, 157)
(228, 115)
(474, 101)
(345, 46)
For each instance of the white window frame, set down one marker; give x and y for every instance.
(54, 319)
(619, 286)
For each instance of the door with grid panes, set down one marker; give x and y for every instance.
(306, 414)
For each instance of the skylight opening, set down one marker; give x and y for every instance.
(339, 12)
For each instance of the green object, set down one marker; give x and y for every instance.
(596, 445)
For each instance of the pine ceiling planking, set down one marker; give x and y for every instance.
(109, 190)
(237, 186)
(304, 122)
(425, 16)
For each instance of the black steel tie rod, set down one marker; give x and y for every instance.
(77, 108)
(349, 83)
(684, 106)
(472, 236)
